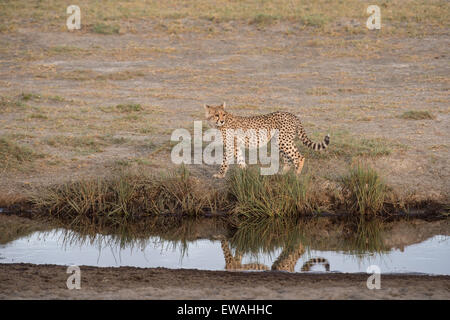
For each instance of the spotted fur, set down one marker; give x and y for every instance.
(288, 125)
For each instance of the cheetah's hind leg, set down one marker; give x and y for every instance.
(300, 165)
(294, 155)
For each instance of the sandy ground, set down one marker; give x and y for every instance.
(27, 281)
(355, 87)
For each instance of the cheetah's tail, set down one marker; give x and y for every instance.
(314, 261)
(313, 145)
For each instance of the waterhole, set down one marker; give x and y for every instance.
(401, 247)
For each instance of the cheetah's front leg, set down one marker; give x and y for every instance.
(228, 154)
(223, 169)
(239, 156)
(222, 172)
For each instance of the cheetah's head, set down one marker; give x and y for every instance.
(216, 114)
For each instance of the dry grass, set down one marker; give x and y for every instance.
(317, 91)
(105, 17)
(11, 105)
(125, 198)
(14, 155)
(132, 195)
(89, 75)
(81, 145)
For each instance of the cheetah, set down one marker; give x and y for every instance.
(287, 124)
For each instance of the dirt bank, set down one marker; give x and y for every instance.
(27, 281)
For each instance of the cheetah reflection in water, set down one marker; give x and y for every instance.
(286, 261)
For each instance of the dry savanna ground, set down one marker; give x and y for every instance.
(94, 101)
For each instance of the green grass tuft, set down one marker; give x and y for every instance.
(263, 19)
(364, 190)
(279, 195)
(29, 96)
(129, 107)
(314, 20)
(417, 115)
(106, 29)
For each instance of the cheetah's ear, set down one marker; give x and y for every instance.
(223, 105)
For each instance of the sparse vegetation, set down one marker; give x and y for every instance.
(12, 154)
(121, 75)
(38, 116)
(11, 105)
(79, 75)
(86, 75)
(26, 96)
(314, 20)
(129, 107)
(65, 50)
(263, 19)
(317, 91)
(417, 115)
(346, 146)
(83, 144)
(107, 29)
(412, 16)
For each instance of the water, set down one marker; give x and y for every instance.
(65, 247)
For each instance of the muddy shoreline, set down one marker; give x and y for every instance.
(430, 211)
(27, 281)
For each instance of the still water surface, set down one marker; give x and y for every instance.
(63, 247)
